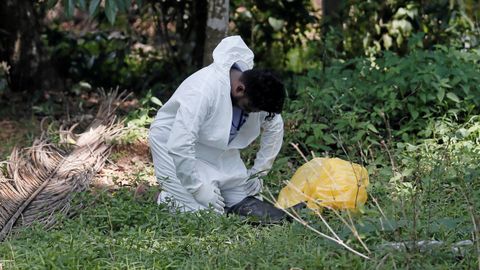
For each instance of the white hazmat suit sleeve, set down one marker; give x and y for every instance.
(270, 144)
(191, 114)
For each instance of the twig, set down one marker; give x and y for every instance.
(364, 157)
(355, 232)
(392, 160)
(381, 211)
(295, 145)
(395, 172)
(353, 169)
(387, 126)
(382, 261)
(319, 214)
(350, 226)
(303, 222)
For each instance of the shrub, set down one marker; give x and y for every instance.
(111, 60)
(365, 101)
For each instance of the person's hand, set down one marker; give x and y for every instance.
(253, 186)
(209, 195)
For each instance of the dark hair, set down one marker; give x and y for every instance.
(264, 91)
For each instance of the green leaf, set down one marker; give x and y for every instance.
(413, 111)
(69, 6)
(110, 10)
(440, 93)
(122, 5)
(317, 133)
(81, 4)
(328, 139)
(462, 133)
(466, 89)
(156, 101)
(277, 24)
(320, 126)
(387, 41)
(423, 97)
(403, 25)
(452, 96)
(372, 128)
(359, 135)
(92, 8)
(51, 3)
(414, 114)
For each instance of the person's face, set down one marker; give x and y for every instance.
(244, 103)
(239, 96)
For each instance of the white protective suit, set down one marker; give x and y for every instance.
(190, 134)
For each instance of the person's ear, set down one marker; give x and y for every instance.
(241, 89)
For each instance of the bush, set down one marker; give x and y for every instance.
(110, 60)
(367, 27)
(365, 101)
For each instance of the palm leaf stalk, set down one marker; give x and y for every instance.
(41, 180)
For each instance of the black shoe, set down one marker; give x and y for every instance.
(260, 212)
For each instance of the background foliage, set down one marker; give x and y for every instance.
(367, 100)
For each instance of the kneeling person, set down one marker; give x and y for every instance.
(219, 110)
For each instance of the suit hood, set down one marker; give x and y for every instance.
(233, 50)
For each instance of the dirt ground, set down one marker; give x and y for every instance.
(128, 165)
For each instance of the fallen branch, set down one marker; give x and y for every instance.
(42, 179)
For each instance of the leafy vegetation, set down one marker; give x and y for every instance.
(370, 27)
(297, 36)
(118, 231)
(111, 59)
(364, 101)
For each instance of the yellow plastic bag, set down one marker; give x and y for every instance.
(326, 182)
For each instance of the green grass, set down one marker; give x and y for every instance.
(16, 133)
(431, 195)
(118, 231)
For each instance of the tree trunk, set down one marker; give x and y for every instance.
(217, 27)
(332, 17)
(331, 11)
(200, 9)
(21, 47)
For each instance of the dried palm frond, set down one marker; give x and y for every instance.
(42, 179)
